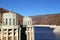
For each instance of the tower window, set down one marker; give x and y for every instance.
(6, 21)
(28, 22)
(9, 21)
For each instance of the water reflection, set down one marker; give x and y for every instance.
(57, 34)
(45, 33)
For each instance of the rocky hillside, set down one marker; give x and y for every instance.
(51, 19)
(3, 10)
(20, 19)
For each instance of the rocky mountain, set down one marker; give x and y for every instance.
(3, 10)
(51, 19)
(20, 19)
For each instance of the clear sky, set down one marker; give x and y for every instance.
(32, 7)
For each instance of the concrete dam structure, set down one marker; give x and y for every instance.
(17, 27)
(10, 30)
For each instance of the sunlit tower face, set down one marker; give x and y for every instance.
(9, 19)
(9, 29)
(27, 22)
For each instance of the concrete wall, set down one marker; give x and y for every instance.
(27, 21)
(9, 17)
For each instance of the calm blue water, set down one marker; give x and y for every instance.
(45, 33)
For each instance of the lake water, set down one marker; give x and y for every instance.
(45, 33)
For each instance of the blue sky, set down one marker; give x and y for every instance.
(32, 7)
